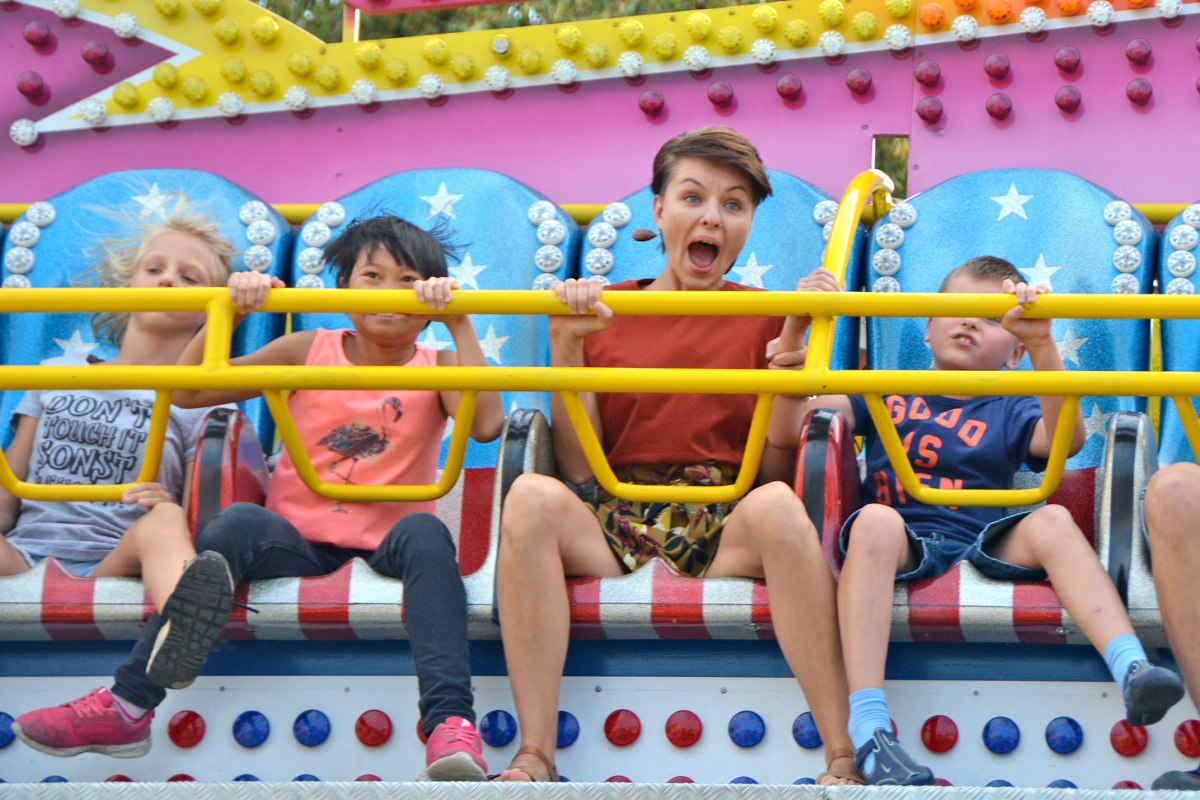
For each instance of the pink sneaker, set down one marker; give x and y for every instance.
(454, 753)
(91, 724)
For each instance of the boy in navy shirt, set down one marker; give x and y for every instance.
(965, 442)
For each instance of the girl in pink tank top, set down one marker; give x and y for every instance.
(370, 438)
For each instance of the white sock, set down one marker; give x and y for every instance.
(132, 712)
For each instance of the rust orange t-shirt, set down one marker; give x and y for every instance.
(678, 428)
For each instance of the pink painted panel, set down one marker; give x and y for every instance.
(589, 145)
(1142, 153)
(67, 78)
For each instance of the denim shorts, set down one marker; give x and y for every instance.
(937, 552)
(81, 569)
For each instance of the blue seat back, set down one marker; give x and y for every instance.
(1177, 275)
(786, 243)
(1052, 226)
(82, 217)
(504, 229)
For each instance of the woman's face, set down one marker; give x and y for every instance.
(704, 217)
(173, 260)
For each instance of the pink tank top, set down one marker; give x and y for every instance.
(360, 437)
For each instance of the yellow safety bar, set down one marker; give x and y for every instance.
(215, 372)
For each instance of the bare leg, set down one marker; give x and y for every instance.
(156, 548)
(1172, 508)
(877, 552)
(547, 535)
(1049, 539)
(11, 560)
(769, 535)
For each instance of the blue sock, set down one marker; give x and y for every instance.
(1119, 655)
(868, 711)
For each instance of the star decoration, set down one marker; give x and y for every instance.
(431, 341)
(153, 201)
(466, 271)
(1097, 423)
(1012, 203)
(1040, 273)
(491, 344)
(449, 429)
(1068, 348)
(751, 274)
(513, 408)
(442, 202)
(75, 346)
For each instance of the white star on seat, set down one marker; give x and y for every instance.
(153, 201)
(1097, 423)
(513, 408)
(431, 341)
(751, 274)
(76, 346)
(1040, 273)
(1068, 348)
(441, 203)
(492, 343)
(466, 271)
(1012, 203)
(449, 429)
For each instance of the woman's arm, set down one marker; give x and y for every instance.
(566, 350)
(248, 291)
(18, 455)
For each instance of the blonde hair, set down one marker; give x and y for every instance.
(116, 259)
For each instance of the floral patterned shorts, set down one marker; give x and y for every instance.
(683, 535)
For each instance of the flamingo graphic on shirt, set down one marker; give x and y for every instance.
(357, 441)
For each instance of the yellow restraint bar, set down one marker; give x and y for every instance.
(215, 372)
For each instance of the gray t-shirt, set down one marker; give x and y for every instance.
(91, 437)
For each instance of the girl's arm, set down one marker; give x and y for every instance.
(18, 455)
(489, 411)
(248, 291)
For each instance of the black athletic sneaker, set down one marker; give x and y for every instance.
(1178, 780)
(195, 614)
(1149, 692)
(893, 766)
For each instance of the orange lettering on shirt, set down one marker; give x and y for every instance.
(919, 410)
(928, 449)
(948, 419)
(908, 442)
(897, 406)
(972, 431)
(883, 495)
(900, 495)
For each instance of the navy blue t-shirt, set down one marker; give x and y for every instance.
(953, 444)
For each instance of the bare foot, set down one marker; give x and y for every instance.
(525, 767)
(841, 772)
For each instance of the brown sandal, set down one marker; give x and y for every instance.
(853, 776)
(533, 750)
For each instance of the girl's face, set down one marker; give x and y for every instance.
(378, 269)
(704, 216)
(173, 260)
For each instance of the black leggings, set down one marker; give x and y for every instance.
(419, 551)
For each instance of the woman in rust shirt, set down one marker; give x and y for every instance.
(707, 184)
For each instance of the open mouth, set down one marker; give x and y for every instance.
(702, 254)
(964, 341)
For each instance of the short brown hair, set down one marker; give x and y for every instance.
(984, 268)
(719, 145)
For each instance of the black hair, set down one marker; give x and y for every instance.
(984, 268)
(423, 250)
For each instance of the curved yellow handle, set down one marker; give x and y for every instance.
(1060, 445)
(363, 494)
(106, 493)
(593, 451)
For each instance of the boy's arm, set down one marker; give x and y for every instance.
(18, 454)
(789, 352)
(1043, 353)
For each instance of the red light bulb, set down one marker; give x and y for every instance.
(720, 94)
(999, 106)
(997, 66)
(859, 80)
(929, 109)
(789, 87)
(927, 73)
(1138, 52)
(1139, 91)
(622, 727)
(1068, 99)
(1067, 59)
(651, 102)
(95, 53)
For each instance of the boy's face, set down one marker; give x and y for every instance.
(378, 269)
(972, 343)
